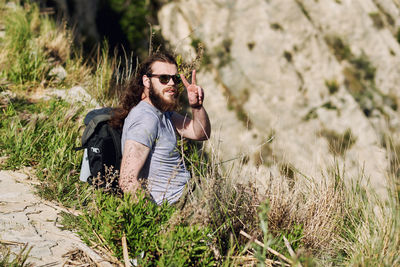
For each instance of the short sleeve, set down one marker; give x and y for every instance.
(143, 129)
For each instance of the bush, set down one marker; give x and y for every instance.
(147, 231)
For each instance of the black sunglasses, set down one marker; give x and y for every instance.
(165, 78)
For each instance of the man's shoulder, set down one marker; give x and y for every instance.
(143, 109)
(142, 112)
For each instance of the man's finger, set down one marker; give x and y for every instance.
(185, 82)
(200, 91)
(194, 77)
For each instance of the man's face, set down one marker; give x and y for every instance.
(163, 96)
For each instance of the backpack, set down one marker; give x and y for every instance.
(102, 144)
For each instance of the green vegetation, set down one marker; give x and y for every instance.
(332, 85)
(359, 81)
(146, 227)
(276, 26)
(339, 48)
(303, 10)
(223, 52)
(377, 20)
(19, 260)
(398, 35)
(338, 143)
(132, 16)
(326, 221)
(313, 112)
(251, 45)
(288, 56)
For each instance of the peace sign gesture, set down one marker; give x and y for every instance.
(195, 92)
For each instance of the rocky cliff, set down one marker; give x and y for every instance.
(294, 86)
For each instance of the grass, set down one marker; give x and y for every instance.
(20, 259)
(42, 135)
(339, 143)
(332, 85)
(340, 49)
(377, 20)
(328, 221)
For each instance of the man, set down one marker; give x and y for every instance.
(149, 145)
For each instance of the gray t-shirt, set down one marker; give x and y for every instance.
(164, 168)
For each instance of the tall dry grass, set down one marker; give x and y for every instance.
(334, 220)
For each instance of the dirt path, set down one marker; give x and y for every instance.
(27, 219)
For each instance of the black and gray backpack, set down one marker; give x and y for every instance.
(103, 145)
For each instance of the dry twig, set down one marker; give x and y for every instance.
(125, 250)
(276, 253)
(8, 242)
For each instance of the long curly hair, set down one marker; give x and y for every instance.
(132, 93)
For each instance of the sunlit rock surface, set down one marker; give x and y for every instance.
(303, 84)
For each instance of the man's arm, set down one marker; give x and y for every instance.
(133, 159)
(199, 127)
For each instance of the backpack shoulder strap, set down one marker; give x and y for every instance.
(116, 137)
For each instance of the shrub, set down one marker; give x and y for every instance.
(150, 238)
(332, 85)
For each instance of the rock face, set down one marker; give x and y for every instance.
(296, 85)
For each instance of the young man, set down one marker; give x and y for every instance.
(149, 144)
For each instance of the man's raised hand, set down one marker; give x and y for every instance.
(195, 92)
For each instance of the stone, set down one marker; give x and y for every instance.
(58, 74)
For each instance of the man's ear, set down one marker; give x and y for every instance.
(146, 81)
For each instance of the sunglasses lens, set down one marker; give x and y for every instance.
(164, 79)
(177, 79)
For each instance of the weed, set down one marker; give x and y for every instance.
(398, 35)
(102, 82)
(338, 143)
(276, 26)
(332, 85)
(7, 258)
(311, 114)
(145, 225)
(235, 103)
(251, 45)
(25, 61)
(222, 52)
(224, 206)
(352, 81)
(43, 139)
(303, 10)
(264, 156)
(329, 105)
(365, 70)
(195, 43)
(288, 56)
(393, 149)
(340, 49)
(377, 20)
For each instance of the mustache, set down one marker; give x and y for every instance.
(171, 88)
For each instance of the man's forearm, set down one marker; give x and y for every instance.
(129, 183)
(201, 123)
(135, 154)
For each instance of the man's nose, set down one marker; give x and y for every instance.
(171, 82)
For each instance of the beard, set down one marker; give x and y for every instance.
(161, 102)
